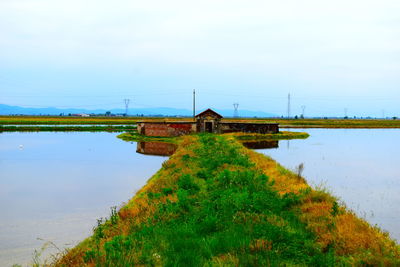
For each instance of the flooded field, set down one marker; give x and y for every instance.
(360, 166)
(53, 187)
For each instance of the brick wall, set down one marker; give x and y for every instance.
(166, 129)
(262, 128)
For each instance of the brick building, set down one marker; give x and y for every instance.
(206, 121)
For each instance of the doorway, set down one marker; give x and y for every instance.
(209, 127)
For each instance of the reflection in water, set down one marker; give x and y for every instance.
(167, 149)
(54, 185)
(156, 148)
(261, 144)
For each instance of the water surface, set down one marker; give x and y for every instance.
(54, 185)
(360, 166)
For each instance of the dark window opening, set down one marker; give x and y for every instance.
(209, 128)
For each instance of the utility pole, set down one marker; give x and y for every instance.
(194, 104)
(303, 108)
(235, 111)
(126, 101)
(288, 107)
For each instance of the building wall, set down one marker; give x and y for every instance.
(262, 128)
(201, 125)
(166, 129)
(208, 117)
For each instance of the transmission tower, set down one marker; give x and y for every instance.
(345, 112)
(126, 101)
(288, 106)
(235, 111)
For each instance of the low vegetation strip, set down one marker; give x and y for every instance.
(92, 128)
(216, 203)
(289, 123)
(330, 123)
(53, 120)
(282, 135)
(136, 137)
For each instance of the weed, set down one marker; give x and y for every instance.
(299, 170)
(114, 216)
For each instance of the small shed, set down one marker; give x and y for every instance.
(208, 121)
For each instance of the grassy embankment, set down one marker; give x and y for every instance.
(291, 123)
(216, 203)
(136, 137)
(284, 135)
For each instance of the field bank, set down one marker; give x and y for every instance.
(215, 202)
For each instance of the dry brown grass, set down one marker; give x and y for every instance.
(349, 234)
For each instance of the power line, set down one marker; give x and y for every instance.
(162, 92)
(71, 106)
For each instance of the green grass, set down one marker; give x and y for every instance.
(283, 135)
(211, 205)
(136, 137)
(225, 211)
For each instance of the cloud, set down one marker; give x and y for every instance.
(207, 31)
(312, 45)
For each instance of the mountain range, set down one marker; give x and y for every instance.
(159, 111)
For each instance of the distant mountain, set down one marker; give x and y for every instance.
(161, 111)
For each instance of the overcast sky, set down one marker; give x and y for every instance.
(329, 55)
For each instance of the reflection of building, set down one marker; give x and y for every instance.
(156, 148)
(206, 121)
(262, 144)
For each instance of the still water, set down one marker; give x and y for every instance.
(359, 166)
(54, 185)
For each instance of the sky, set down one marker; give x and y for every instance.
(331, 56)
